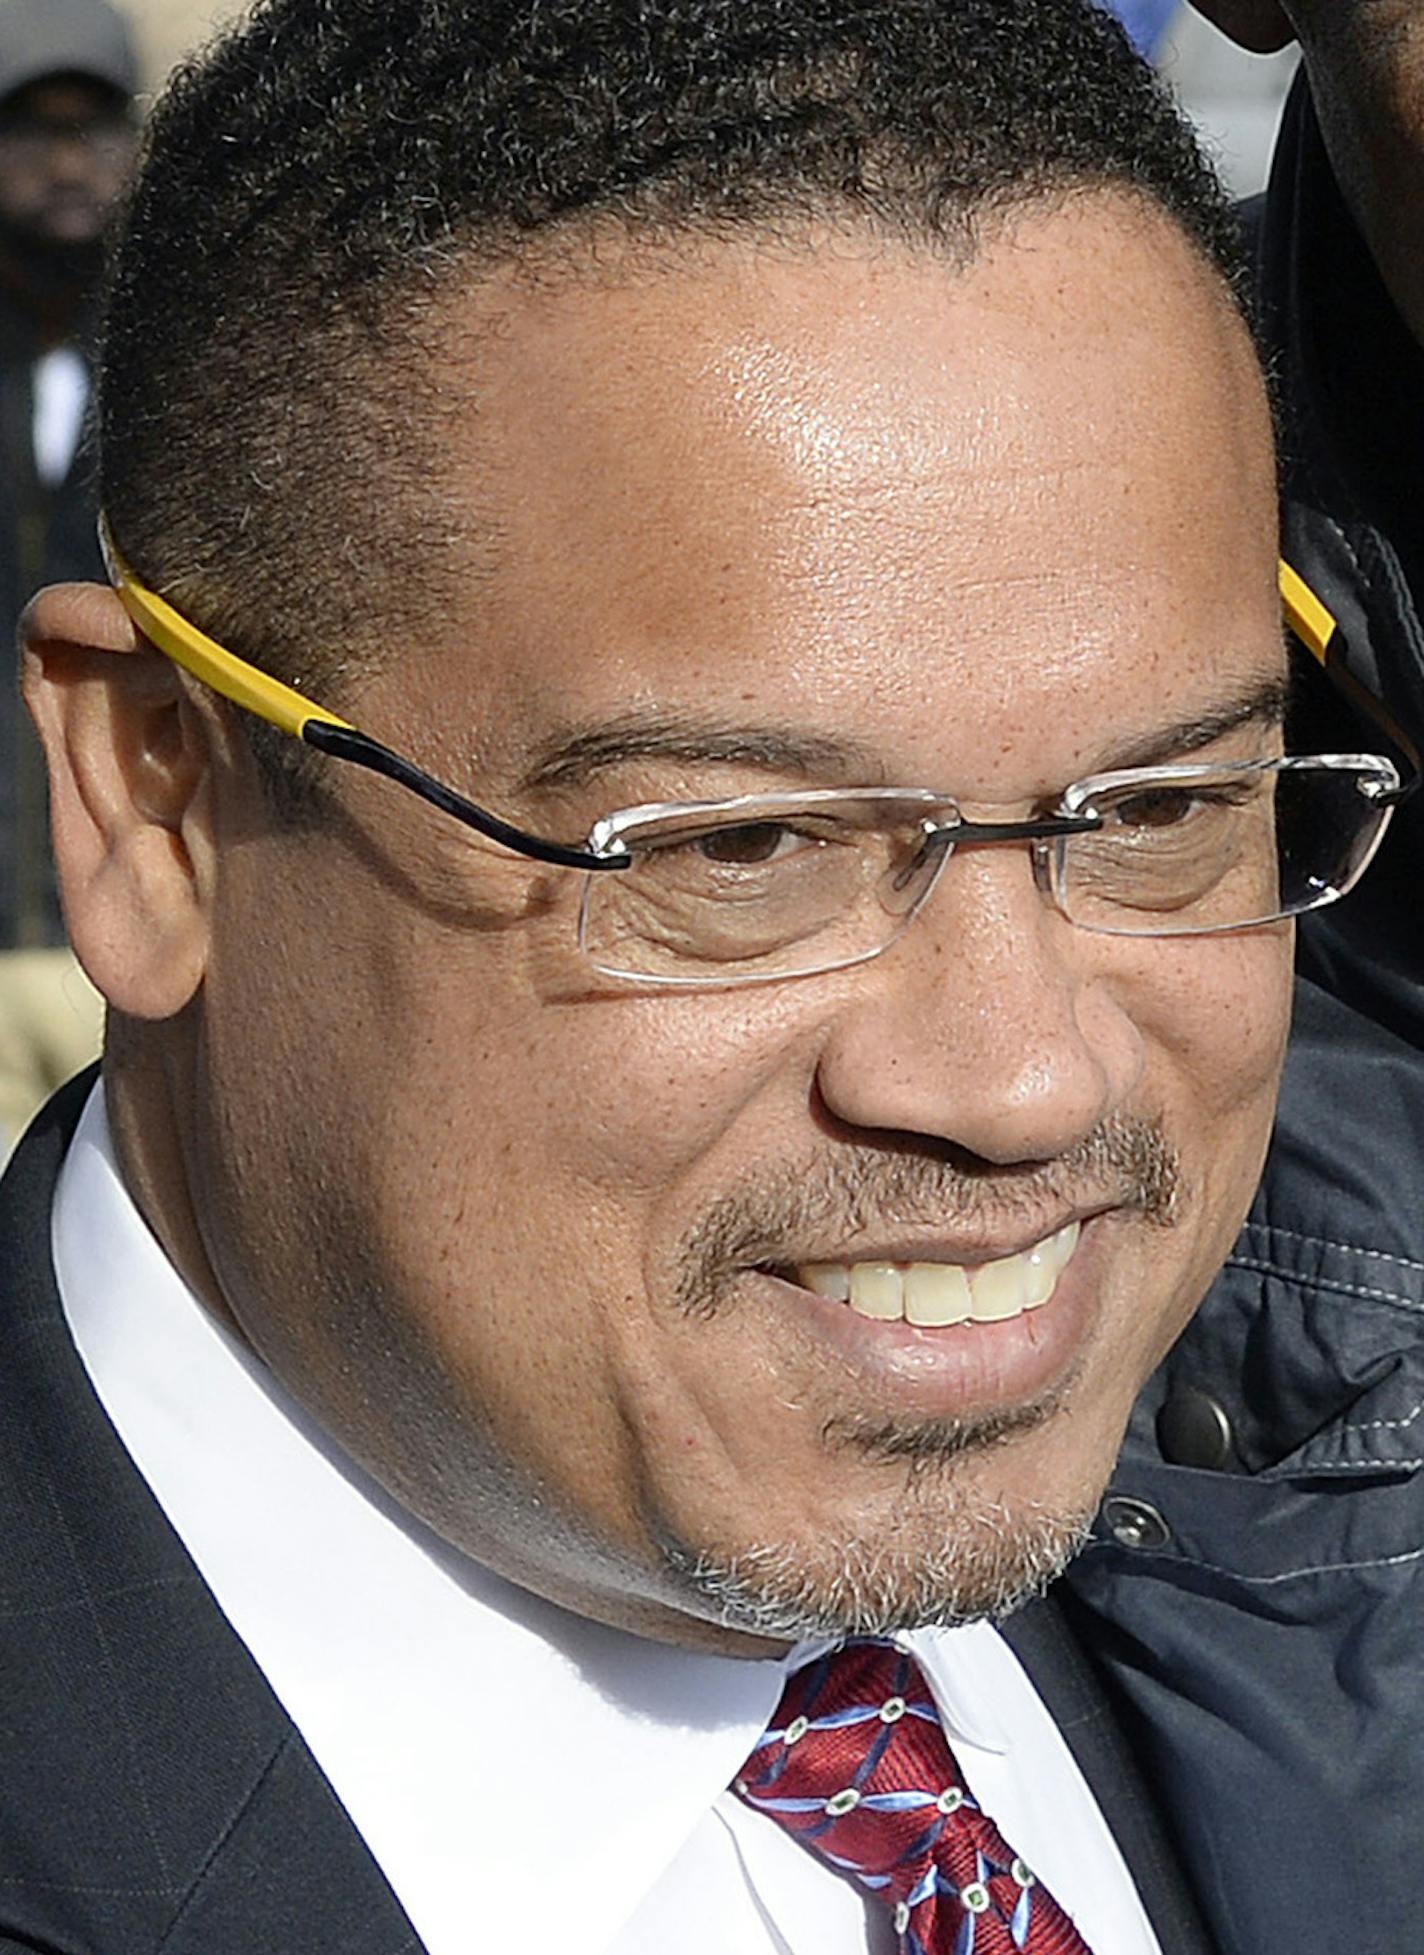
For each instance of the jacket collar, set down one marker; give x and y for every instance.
(148, 1718)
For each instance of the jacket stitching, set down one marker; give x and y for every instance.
(1361, 1466)
(1286, 1575)
(41, 1609)
(120, 1704)
(1387, 1425)
(287, 1744)
(222, 1840)
(1263, 1267)
(18, 1883)
(1347, 1248)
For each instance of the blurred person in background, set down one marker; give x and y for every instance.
(1339, 249)
(68, 76)
(1235, 98)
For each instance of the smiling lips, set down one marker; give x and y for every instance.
(937, 1294)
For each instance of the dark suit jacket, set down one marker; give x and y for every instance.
(47, 536)
(155, 1799)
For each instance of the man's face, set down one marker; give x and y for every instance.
(66, 147)
(536, 1243)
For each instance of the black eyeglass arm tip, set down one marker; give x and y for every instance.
(347, 743)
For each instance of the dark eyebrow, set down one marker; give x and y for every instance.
(1262, 704)
(573, 758)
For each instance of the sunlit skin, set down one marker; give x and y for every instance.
(985, 530)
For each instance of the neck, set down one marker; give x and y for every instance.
(144, 1096)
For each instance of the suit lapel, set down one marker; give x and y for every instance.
(153, 1793)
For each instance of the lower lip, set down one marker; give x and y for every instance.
(961, 1369)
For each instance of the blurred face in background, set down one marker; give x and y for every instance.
(1365, 60)
(67, 144)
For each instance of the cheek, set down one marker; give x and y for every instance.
(1226, 1022)
(640, 1091)
(1217, 1033)
(510, 1146)
(1213, 1016)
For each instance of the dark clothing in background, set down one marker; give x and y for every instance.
(1254, 1589)
(46, 536)
(1259, 1617)
(1351, 381)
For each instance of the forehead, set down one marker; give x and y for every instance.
(867, 493)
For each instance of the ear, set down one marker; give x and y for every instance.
(1258, 25)
(130, 760)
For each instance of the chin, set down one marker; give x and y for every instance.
(942, 1562)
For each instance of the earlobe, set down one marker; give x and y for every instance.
(129, 763)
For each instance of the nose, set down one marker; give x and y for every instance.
(70, 155)
(993, 1023)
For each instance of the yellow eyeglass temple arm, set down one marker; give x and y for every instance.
(257, 692)
(1307, 617)
(1317, 629)
(283, 706)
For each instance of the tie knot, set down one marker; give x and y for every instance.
(855, 1765)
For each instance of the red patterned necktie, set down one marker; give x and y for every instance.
(856, 1766)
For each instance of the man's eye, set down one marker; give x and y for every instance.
(1173, 807)
(1164, 807)
(749, 844)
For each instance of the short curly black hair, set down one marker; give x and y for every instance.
(315, 184)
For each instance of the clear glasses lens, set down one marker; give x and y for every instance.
(782, 886)
(778, 888)
(1195, 850)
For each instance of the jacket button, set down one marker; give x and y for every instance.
(1193, 1430)
(1135, 1523)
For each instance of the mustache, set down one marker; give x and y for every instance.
(1126, 1163)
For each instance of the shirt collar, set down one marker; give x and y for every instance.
(966, 1709)
(504, 1760)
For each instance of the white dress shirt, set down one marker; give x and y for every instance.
(508, 1764)
(60, 383)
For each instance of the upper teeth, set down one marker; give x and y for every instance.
(947, 1293)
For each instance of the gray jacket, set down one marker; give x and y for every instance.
(1270, 1484)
